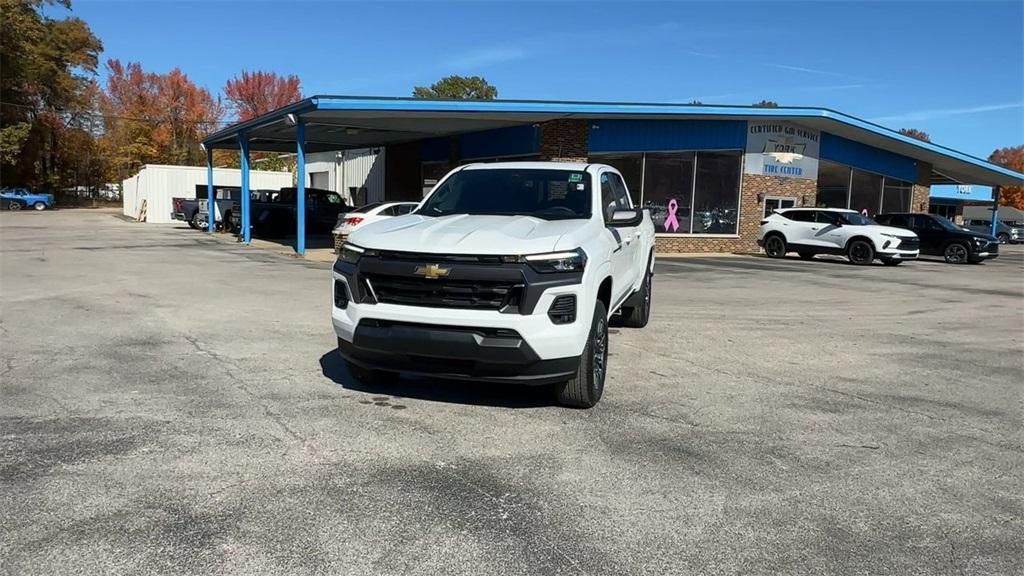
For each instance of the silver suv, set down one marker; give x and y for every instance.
(1006, 232)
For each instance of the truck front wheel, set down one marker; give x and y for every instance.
(584, 389)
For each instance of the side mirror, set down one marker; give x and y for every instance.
(627, 218)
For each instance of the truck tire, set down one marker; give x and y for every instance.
(14, 206)
(364, 375)
(584, 389)
(638, 316)
(193, 222)
(39, 206)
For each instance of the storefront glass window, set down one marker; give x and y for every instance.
(896, 195)
(668, 191)
(833, 181)
(866, 192)
(716, 193)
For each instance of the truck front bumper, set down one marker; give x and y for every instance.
(452, 352)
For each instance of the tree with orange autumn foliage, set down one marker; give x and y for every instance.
(1011, 157)
(155, 118)
(255, 93)
(915, 133)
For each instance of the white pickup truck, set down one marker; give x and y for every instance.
(506, 272)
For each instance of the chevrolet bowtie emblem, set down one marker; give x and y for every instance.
(432, 271)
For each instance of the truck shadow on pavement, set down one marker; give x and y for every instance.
(439, 389)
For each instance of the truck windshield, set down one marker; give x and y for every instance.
(547, 194)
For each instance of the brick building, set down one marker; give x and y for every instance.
(708, 174)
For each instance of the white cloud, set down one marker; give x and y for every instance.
(807, 70)
(922, 115)
(484, 57)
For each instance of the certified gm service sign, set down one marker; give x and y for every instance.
(781, 149)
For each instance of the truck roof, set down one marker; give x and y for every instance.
(571, 166)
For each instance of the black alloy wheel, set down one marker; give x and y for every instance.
(956, 253)
(585, 388)
(775, 246)
(860, 252)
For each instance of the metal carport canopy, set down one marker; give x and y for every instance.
(343, 122)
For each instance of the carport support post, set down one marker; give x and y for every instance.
(243, 153)
(211, 208)
(300, 185)
(995, 209)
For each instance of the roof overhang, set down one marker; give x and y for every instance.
(341, 122)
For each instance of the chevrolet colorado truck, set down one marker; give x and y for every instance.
(506, 272)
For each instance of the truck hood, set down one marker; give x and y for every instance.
(469, 234)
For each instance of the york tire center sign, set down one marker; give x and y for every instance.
(782, 149)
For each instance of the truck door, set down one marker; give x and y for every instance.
(613, 198)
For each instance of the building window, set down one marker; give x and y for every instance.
(686, 192)
(865, 192)
(668, 191)
(716, 193)
(896, 195)
(833, 184)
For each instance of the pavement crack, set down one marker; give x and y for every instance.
(952, 554)
(241, 384)
(958, 422)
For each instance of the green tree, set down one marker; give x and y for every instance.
(458, 88)
(766, 104)
(47, 66)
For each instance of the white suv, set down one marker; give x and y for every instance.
(810, 231)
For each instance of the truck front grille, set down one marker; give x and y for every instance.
(444, 293)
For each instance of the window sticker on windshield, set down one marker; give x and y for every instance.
(575, 177)
(557, 190)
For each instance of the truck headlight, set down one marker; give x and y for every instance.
(568, 261)
(350, 253)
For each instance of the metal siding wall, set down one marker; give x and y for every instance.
(511, 141)
(363, 167)
(158, 184)
(653, 135)
(130, 196)
(858, 155)
(322, 162)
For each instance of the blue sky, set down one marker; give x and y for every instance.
(953, 69)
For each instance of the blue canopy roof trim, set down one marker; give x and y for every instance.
(340, 122)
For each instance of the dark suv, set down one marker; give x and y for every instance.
(940, 237)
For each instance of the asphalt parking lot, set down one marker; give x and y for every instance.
(172, 404)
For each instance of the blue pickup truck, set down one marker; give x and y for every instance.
(20, 198)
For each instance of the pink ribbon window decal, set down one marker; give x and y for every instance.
(670, 222)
